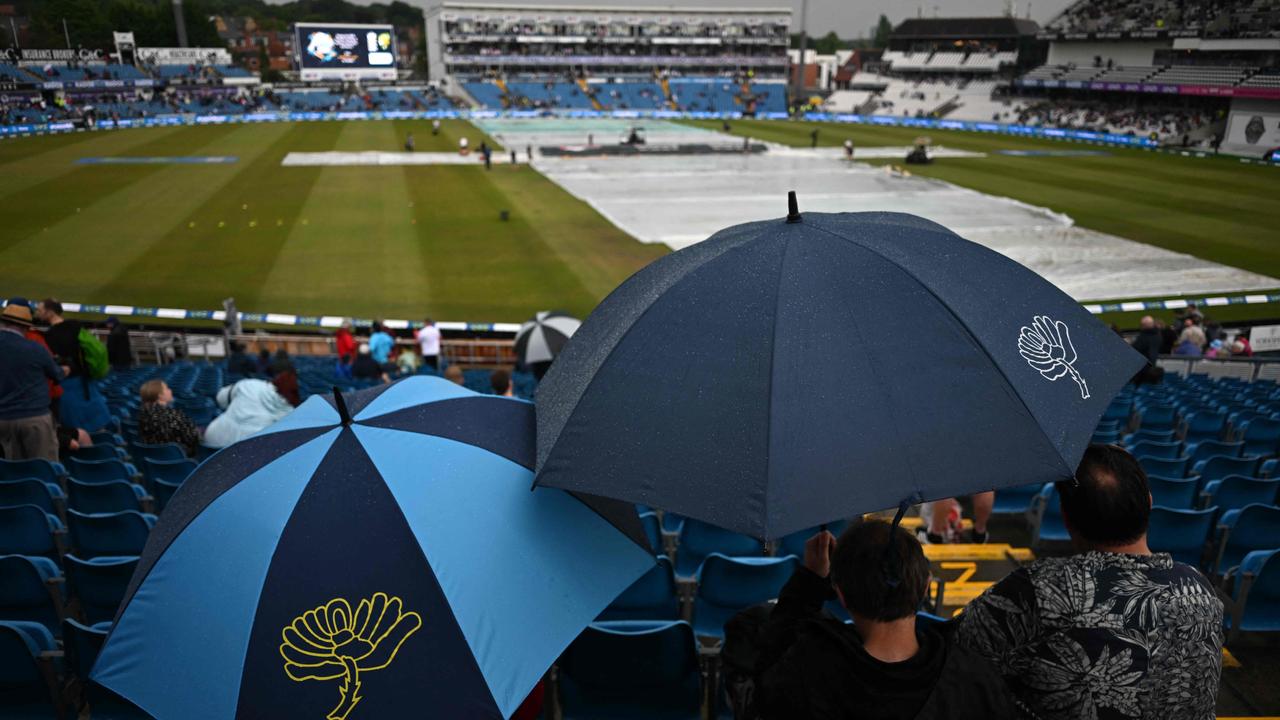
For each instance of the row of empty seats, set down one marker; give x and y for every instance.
(947, 61)
(687, 94)
(1161, 74)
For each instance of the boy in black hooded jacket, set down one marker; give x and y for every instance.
(884, 666)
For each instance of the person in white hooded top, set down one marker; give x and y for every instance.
(248, 406)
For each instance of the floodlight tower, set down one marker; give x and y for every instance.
(180, 23)
(804, 40)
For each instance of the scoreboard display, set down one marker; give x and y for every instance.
(346, 51)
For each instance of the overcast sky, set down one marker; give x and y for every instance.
(849, 18)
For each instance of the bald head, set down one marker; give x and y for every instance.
(1147, 322)
(1108, 502)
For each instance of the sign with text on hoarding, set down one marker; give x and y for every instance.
(1265, 338)
(347, 51)
(184, 56)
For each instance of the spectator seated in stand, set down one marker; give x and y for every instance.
(158, 423)
(1047, 624)
(248, 406)
(812, 666)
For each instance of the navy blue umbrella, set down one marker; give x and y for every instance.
(383, 562)
(783, 374)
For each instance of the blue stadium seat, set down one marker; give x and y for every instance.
(161, 451)
(1206, 449)
(653, 531)
(108, 497)
(81, 645)
(672, 522)
(1175, 468)
(728, 585)
(44, 495)
(1268, 468)
(28, 676)
(1121, 411)
(1015, 500)
(1158, 417)
(1255, 593)
(1176, 493)
(1236, 491)
(1261, 435)
(1220, 466)
(35, 468)
(31, 590)
(631, 671)
(99, 452)
(1105, 437)
(29, 530)
(1181, 533)
(106, 437)
(1150, 435)
(1254, 527)
(108, 534)
(1046, 518)
(699, 539)
(1155, 449)
(793, 544)
(162, 492)
(173, 472)
(100, 471)
(99, 585)
(1204, 425)
(653, 597)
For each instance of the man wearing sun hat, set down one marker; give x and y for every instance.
(26, 425)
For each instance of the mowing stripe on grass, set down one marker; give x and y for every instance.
(26, 161)
(355, 233)
(595, 250)
(482, 267)
(89, 249)
(46, 204)
(194, 260)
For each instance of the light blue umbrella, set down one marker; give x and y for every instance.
(373, 556)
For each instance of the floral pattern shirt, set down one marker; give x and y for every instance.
(159, 424)
(1103, 635)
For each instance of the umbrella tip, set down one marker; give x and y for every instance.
(793, 208)
(341, 404)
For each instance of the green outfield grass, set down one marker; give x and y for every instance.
(410, 241)
(1216, 208)
(364, 241)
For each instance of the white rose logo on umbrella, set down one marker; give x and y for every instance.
(1046, 346)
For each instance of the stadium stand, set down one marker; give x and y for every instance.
(1210, 19)
(1195, 424)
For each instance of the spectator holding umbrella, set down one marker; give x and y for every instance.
(884, 665)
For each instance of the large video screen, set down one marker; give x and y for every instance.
(346, 51)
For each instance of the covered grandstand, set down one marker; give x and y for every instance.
(1210, 67)
(612, 58)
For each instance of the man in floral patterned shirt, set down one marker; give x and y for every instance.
(1115, 631)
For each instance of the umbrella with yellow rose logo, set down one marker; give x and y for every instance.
(374, 555)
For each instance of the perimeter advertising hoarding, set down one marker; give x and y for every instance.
(347, 51)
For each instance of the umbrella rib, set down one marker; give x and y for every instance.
(967, 331)
(773, 363)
